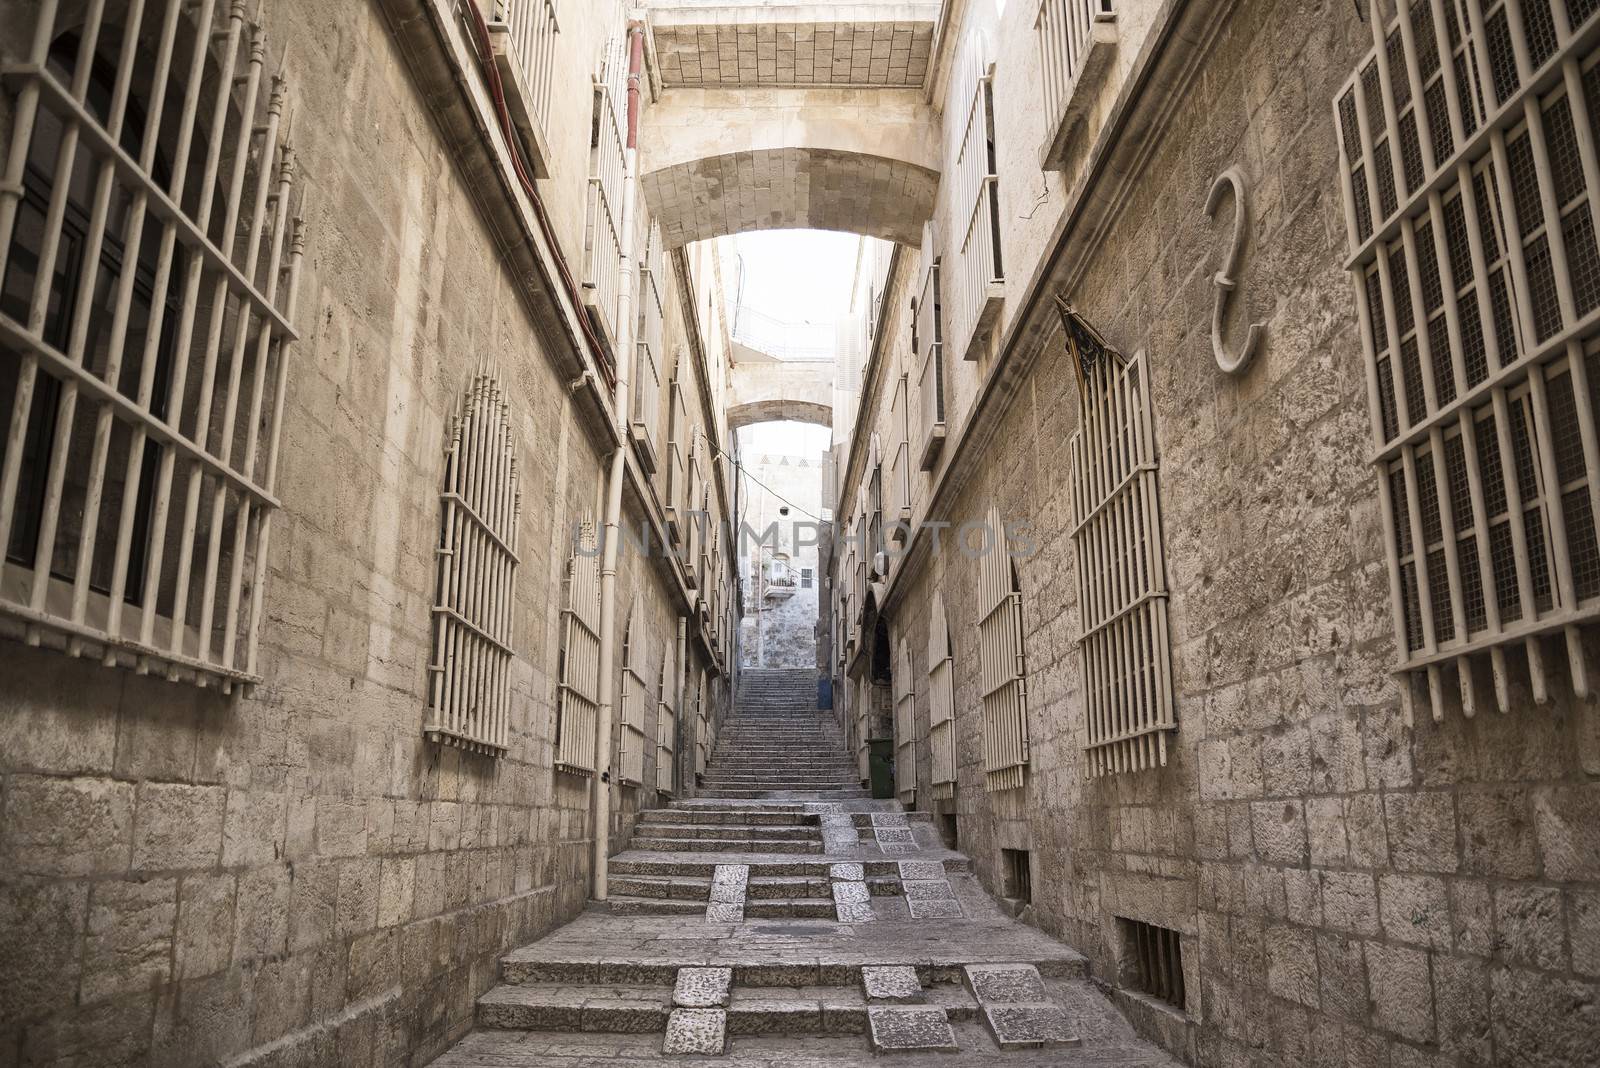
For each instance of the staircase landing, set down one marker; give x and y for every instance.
(800, 926)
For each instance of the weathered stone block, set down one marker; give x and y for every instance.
(1279, 831)
(1584, 908)
(1422, 831)
(696, 1031)
(1350, 902)
(67, 827)
(891, 983)
(396, 886)
(41, 942)
(1497, 836)
(261, 928)
(1017, 983)
(1029, 1026)
(1567, 819)
(1401, 991)
(903, 1030)
(129, 942)
(1292, 965)
(178, 826)
(1415, 910)
(253, 829)
(205, 924)
(1528, 923)
(702, 988)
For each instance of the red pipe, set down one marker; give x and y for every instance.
(635, 66)
(486, 56)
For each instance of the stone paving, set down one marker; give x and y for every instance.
(721, 949)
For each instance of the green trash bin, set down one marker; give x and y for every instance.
(880, 766)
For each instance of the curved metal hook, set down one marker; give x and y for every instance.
(1233, 179)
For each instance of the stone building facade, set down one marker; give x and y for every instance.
(275, 865)
(1351, 879)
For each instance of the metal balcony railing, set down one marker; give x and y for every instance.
(523, 34)
(1076, 41)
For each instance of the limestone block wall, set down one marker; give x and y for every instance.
(188, 878)
(1349, 890)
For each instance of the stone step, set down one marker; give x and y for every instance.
(760, 795)
(872, 870)
(624, 1008)
(748, 817)
(733, 832)
(806, 908)
(535, 965)
(725, 845)
(628, 905)
(660, 887)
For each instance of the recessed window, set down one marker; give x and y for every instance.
(1152, 961)
(949, 830)
(1018, 872)
(807, 578)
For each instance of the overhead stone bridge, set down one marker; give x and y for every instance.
(802, 116)
(765, 390)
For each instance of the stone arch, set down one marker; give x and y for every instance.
(774, 410)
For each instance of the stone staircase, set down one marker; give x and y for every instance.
(785, 914)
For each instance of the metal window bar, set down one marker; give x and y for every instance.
(980, 274)
(702, 729)
(1074, 38)
(473, 618)
(602, 276)
(905, 729)
(578, 693)
(635, 699)
(534, 30)
(667, 722)
(91, 320)
(1002, 669)
(928, 344)
(1158, 961)
(899, 494)
(1478, 292)
(941, 702)
(1122, 590)
(863, 727)
(647, 396)
(680, 446)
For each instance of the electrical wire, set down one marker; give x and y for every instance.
(745, 471)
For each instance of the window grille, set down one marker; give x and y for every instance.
(807, 578)
(875, 542)
(647, 395)
(1002, 670)
(635, 699)
(941, 702)
(980, 275)
(900, 464)
(905, 728)
(863, 726)
(1477, 280)
(703, 544)
(1122, 587)
(129, 401)
(680, 447)
(526, 57)
(667, 722)
(602, 275)
(702, 725)
(1077, 39)
(578, 700)
(927, 342)
(470, 699)
(1156, 958)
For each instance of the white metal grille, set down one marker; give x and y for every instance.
(1122, 586)
(602, 276)
(1076, 40)
(534, 30)
(578, 702)
(905, 727)
(863, 726)
(473, 622)
(1470, 189)
(1002, 671)
(980, 274)
(143, 362)
(680, 446)
(702, 725)
(647, 394)
(635, 699)
(899, 489)
(941, 702)
(667, 723)
(927, 343)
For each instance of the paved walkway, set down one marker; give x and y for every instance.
(785, 918)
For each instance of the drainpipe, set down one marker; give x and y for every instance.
(613, 533)
(678, 731)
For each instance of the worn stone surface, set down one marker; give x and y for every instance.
(695, 1031)
(1018, 1026)
(894, 983)
(1004, 982)
(702, 988)
(909, 1030)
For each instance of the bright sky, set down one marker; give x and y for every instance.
(792, 275)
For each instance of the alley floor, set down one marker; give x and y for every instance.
(785, 918)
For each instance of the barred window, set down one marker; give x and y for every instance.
(702, 725)
(1478, 291)
(927, 343)
(602, 272)
(1002, 669)
(863, 726)
(578, 696)
(635, 699)
(647, 396)
(680, 450)
(667, 722)
(470, 696)
(1125, 642)
(899, 488)
(905, 727)
(941, 702)
(980, 271)
(148, 267)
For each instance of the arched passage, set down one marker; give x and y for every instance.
(777, 410)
